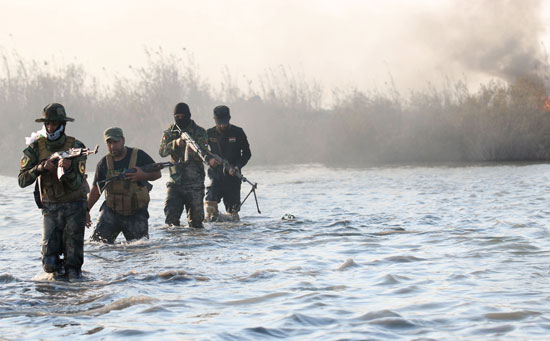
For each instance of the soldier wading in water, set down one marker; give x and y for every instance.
(186, 185)
(63, 200)
(229, 142)
(125, 208)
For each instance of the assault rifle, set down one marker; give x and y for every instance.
(152, 167)
(203, 154)
(66, 154)
(70, 154)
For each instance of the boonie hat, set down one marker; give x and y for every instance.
(113, 133)
(54, 112)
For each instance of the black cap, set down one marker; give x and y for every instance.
(182, 108)
(221, 114)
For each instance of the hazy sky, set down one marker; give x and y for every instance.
(340, 43)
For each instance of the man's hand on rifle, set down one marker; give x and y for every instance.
(232, 171)
(213, 162)
(65, 163)
(189, 149)
(138, 175)
(180, 143)
(47, 165)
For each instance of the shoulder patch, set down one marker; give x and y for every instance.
(24, 161)
(82, 166)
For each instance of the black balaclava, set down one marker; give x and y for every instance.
(182, 108)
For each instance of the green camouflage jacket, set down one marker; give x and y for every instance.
(74, 176)
(190, 172)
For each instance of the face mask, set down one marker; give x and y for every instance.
(56, 134)
(184, 122)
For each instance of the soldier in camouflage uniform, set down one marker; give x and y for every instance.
(63, 201)
(186, 185)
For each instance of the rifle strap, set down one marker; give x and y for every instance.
(133, 158)
(132, 164)
(110, 162)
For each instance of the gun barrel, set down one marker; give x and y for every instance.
(202, 154)
(194, 145)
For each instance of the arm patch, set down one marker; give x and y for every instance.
(24, 161)
(82, 166)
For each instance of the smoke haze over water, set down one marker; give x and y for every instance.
(339, 44)
(496, 38)
(295, 74)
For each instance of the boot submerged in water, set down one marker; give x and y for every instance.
(212, 213)
(73, 274)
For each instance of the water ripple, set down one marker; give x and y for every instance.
(307, 320)
(408, 253)
(258, 299)
(512, 316)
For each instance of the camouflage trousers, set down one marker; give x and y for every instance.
(110, 224)
(63, 234)
(179, 197)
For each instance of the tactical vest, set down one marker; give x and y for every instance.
(123, 196)
(51, 187)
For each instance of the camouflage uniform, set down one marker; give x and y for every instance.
(110, 224)
(64, 201)
(186, 185)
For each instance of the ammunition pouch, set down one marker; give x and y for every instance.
(122, 196)
(51, 187)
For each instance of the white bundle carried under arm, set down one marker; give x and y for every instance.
(35, 136)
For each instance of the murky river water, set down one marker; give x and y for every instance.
(380, 253)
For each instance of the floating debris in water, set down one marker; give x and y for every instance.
(288, 216)
(347, 264)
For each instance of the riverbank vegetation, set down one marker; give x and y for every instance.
(283, 113)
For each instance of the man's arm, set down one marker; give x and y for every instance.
(74, 170)
(93, 196)
(152, 176)
(245, 151)
(139, 175)
(202, 140)
(72, 178)
(168, 144)
(30, 168)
